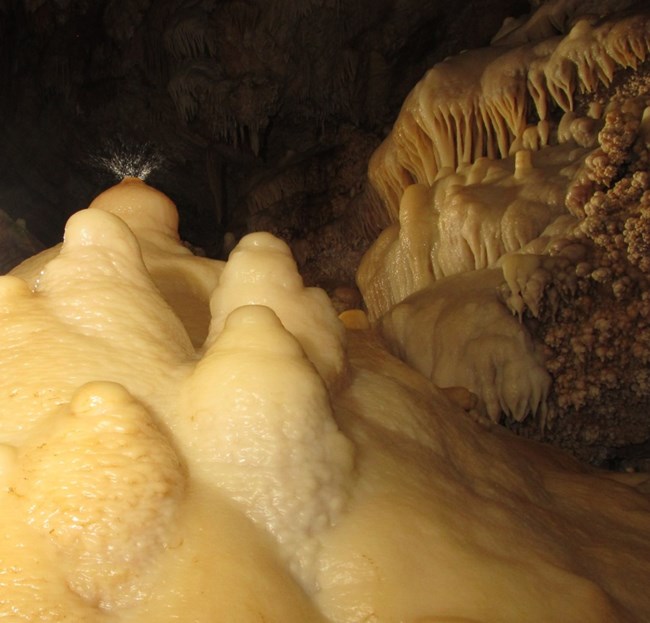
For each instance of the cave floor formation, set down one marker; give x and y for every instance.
(344, 129)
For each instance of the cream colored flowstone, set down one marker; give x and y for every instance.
(187, 440)
(488, 169)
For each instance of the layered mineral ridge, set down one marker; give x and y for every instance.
(186, 439)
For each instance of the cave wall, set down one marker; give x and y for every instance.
(252, 115)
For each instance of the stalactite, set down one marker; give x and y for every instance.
(488, 110)
(122, 17)
(527, 164)
(192, 37)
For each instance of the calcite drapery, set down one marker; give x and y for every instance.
(528, 160)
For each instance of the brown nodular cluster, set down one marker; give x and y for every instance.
(594, 320)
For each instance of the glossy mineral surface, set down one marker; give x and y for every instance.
(184, 440)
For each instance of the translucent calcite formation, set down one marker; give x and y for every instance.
(481, 102)
(183, 439)
(517, 180)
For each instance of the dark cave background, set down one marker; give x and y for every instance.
(251, 114)
(256, 115)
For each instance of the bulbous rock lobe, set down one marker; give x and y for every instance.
(258, 424)
(140, 206)
(262, 271)
(103, 486)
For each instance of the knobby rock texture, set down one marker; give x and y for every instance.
(252, 115)
(258, 115)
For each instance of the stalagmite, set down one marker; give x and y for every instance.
(194, 440)
(287, 468)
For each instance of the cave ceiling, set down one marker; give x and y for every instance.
(259, 115)
(250, 115)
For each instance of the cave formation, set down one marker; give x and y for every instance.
(259, 117)
(190, 429)
(254, 117)
(250, 115)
